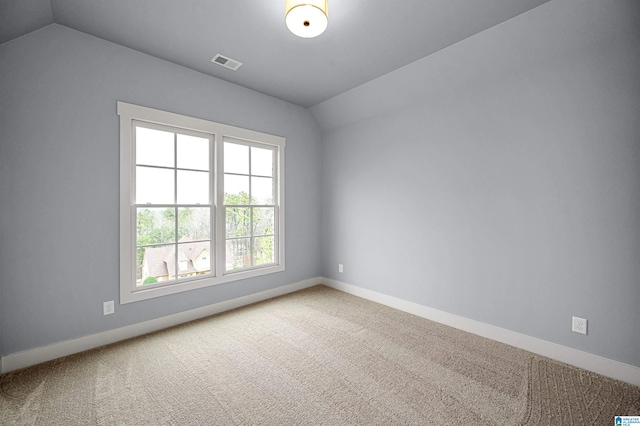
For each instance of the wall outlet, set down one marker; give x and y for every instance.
(579, 325)
(108, 308)
(340, 268)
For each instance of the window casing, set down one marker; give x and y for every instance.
(201, 203)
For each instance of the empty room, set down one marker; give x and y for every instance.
(322, 212)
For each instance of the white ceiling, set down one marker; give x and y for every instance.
(365, 38)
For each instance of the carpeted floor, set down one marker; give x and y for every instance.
(314, 357)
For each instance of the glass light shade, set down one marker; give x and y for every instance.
(306, 18)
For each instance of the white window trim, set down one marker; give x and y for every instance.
(128, 113)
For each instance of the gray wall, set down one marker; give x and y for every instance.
(499, 179)
(59, 181)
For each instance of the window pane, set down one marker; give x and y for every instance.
(194, 223)
(193, 152)
(139, 265)
(238, 254)
(155, 264)
(154, 186)
(263, 252)
(236, 189)
(194, 259)
(236, 158)
(261, 161)
(155, 226)
(154, 147)
(263, 220)
(261, 190)
(193, 187)
(238, 221)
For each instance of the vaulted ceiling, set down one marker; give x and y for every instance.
(365, 38)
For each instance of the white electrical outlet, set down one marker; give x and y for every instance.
(108, 308)
(340, 268)
(579, 325)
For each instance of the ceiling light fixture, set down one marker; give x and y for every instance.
(306, 18)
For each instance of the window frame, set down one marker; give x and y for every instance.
(251, 206)
(129, 114)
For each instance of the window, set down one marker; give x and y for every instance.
(173, 203)
(201, 203)
(249, 205)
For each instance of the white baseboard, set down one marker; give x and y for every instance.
(607, 367)
(47, 353)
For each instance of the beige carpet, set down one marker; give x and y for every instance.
(315, 357)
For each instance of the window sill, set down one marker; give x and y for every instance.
(139, 294)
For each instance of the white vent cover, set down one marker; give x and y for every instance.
(226, 62)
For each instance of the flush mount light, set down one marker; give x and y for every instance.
(306, 18)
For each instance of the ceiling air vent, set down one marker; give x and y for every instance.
(226, 62)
